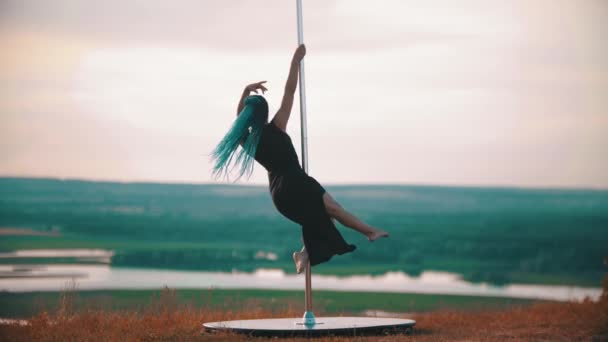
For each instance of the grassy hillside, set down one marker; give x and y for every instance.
(164, 318)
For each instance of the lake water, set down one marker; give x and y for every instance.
(24, 278)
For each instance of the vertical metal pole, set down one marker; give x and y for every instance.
(309, 318)
(302, 94)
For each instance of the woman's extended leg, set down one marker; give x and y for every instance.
(335, 210)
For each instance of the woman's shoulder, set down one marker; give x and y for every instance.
(273, 126)
(270, 124)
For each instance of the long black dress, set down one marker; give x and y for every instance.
(298, 196)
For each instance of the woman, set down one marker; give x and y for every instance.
(296, 195)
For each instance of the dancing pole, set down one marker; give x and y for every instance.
(309, 317)
(302, 94)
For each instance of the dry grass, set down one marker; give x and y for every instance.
(165, 319)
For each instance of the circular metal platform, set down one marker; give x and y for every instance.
(324, 326)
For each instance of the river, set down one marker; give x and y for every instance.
(57, 277)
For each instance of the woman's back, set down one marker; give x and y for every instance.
(276, 152)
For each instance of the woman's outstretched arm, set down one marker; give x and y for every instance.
(248, 89)
(282, 116)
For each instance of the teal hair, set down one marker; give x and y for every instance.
(247, 128)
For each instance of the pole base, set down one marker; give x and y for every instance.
(308, 319)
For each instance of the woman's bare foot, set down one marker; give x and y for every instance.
(376, 234)
(300, 259)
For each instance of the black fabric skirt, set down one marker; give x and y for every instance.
(299, 198)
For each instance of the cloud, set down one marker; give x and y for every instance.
(216, 24)
(499, 91)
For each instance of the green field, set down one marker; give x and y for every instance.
(495, 235)
(23, 305)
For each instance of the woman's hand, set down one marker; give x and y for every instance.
(253, 87)
(300, 53)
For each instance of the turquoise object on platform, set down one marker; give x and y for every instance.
(309, 318)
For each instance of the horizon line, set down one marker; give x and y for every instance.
(329, 184)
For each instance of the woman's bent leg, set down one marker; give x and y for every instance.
(335, 210)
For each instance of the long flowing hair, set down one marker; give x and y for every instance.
(245, 131)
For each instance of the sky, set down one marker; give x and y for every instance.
(472, 93)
